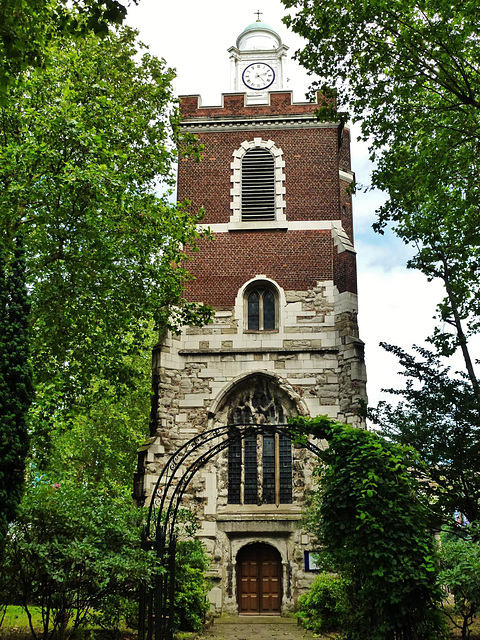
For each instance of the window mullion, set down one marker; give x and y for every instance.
(277, 469)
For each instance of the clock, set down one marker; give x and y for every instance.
(258, 76)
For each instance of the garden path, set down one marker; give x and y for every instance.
(257, 628)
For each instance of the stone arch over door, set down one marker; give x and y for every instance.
(259, 580)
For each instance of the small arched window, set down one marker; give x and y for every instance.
(261, 307)
(258, 185)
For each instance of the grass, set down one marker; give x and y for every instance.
(16, 618)
(15, 626)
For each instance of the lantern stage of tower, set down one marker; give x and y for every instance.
(257, 62)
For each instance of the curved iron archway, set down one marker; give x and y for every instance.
(158, 537)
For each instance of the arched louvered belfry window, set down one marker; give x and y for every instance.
(258, 185)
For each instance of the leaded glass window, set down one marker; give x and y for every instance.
(261, 309)
(259, 466)
(254, 311)
(234, 467)
(250, 495)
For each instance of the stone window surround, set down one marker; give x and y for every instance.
(236, 179)
(241, 303)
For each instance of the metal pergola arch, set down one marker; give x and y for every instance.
(157, 600)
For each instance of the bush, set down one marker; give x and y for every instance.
(324, 607)
(191, 603)
(369, 516)
(460, 575)
(74, 552)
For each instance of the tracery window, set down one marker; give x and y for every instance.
(259, 466)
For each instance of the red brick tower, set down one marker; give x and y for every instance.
(281, 277)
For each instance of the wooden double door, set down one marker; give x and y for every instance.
(259, 571)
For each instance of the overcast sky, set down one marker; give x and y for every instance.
(395, 305)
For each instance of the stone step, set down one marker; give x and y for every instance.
(255, 619)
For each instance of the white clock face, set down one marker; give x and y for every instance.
(258, 76)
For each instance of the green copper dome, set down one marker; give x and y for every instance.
(263, 29)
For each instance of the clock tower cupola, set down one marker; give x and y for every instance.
(257, 62)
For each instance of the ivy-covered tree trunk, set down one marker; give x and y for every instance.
(15, 383)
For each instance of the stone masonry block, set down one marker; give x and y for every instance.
(193, 400)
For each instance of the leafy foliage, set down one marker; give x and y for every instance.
(409, 71)
(26, 27)
(439, 417)
(93, 441)
(460, 575)
(383, 56)
(15, 383)
(324, 607)
(368, 515)
(89, 138)
(71, 550)
(191, 604)
(86, 147)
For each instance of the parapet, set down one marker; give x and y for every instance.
(235, 104)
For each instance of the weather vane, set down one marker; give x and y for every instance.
(258, 14)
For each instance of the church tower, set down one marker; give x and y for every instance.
(280, 275)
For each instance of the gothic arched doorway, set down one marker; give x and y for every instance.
(259, 580)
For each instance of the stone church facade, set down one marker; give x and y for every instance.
(280, 275)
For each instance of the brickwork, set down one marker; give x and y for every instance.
(346, 207)
(310, 160)
(294, 259)
(345, 272)
(234, 105)
(344, 151)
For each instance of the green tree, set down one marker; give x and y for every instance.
(88, 146)
(86, 152)
(15, 383)
(96, 442)
(460, 576)
(409, 71)
(368, 516)
(73, 551)
(438, 416)
(26, 27)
